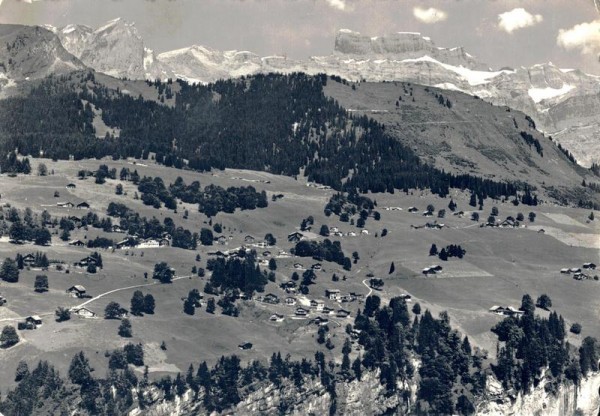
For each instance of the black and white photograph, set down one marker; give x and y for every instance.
(299, 207)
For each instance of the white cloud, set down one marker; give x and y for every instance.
(337, 4)
(430, 15)
(518, 19)
(584, 36)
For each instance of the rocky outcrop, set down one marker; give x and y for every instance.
(569, 400)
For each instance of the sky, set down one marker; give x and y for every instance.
(498, 32)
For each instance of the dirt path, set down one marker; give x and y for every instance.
(87, 302)
(364, 282)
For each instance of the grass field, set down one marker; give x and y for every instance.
(500, 266)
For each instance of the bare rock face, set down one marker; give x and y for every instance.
(28, 52)
(399, 46)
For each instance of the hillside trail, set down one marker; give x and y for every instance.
(87, 302)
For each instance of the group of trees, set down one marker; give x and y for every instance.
(323, 250)
(236, 274)
(134, 224)
(141, 304)
(530, 344)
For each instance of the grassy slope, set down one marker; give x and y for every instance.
(470, 137)
(500, 266)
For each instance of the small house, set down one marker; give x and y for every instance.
(427, 213)
(295, 237)
(221, 240)
(71, 186)
(565, 271)
(77, 291)
(34, 320)
(128, 242)
(86, 261)
(84, 312)
(317, 304)
(2, 300)
(364, 232)
(332, 294)
(164, 242)
(29, 260)
(351, 234)
(276, 317)
(541, 231)
(65, 204)
(346, 298)
(589, 266)
(298, 266)
(412, 209)
(271, 298)
(575, 270)
(290, 301)
(316, 266)
(301, 311)
(83, 205)
(76, 243)
(245, 346)
(428, 270)
(117, 229)
(266, 253)
(327, 310)
(334, 230)
(319, 320)
(249, 239)
(342, 313)
(406, 297)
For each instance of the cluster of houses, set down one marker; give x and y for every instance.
(579, 273)
(506, 311)
(68, 204)
(509, 222)
(429, 225)
(435, 269)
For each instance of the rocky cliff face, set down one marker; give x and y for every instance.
(570, 400)
(32, 52)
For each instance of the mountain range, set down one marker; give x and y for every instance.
(565, 103)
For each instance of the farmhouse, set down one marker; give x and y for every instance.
(245, 346)
(332, 294)
(589, 266)
(316, 266)
(509, 222)
(84, 312)
(71, 186)
(301, 311)
(427, 213)
(351, 234)
(347, 298)
(365, 232)
(77, 243)
(334, 230)
(434, 225)
(65, 204)
(249, 239)
(221, 240)
(149, 243)
(412, 209)
(291, 301)
(298, 266)
(428, 270)
(565, 271)
(327, 310)
(406, 297)
(83, 205)
(575, 270)
(276, 317)
(2, 300)
(117, 229)
(77, 291)
(266, 253)
(295, 237)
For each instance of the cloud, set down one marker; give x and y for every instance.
(430, 15)
(518, 18)
(337, 4)
(584, 36)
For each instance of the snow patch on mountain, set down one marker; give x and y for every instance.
(540, 94)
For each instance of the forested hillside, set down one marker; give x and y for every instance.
(280, 124)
